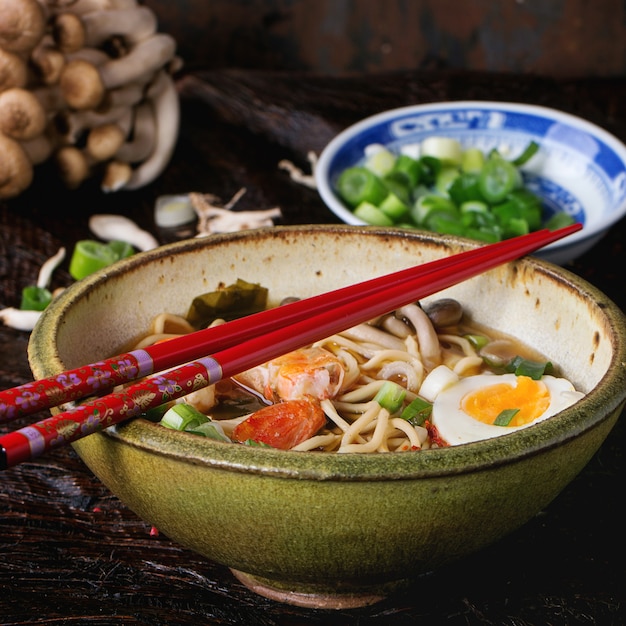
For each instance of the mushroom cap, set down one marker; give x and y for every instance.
(72, 165)
(81, 85)
(16, 171)
(22, 25)
(13, 70)
(104, 141)
(21, 114)
(68, 32)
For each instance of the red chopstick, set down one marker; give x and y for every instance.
(99, 378)
(334, 312)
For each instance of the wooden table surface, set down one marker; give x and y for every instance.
(71, 553)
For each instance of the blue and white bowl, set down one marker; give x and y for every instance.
(580, 168)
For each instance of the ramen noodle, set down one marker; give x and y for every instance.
(417, 378)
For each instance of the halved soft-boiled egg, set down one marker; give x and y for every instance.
(488, 405)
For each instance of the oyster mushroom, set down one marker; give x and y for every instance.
(167, 118)
(84, 85)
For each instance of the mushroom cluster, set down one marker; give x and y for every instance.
(87, 84)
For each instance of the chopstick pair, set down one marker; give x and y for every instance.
(241, 344)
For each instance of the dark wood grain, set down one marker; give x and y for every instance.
(72, 553)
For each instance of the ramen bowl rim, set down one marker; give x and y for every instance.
(597, 406)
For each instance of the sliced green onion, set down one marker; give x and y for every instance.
(358, 184)
(89, 257)
(446, 149)
(504, 417)
(477, 341)
(472, 160)
(390, 396)
(525, 367)
(380, 162)
(417, 412)
(256, 444)
(172, 211)
(559, 220)
(530, 151)
(445, 178)
(210, 429)
(409, 167)
(498, 178)
(183, 416)
(35, 298)
(122, 249)
(393, 207)
(371, 214)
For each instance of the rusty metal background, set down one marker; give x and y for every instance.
(565, 38)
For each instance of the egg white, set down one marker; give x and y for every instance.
(457, 427)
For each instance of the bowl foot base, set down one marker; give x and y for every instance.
(308, 596)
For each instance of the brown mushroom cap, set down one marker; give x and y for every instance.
(22, 25)
(81, 85)
(73, 166)
(16, 171)
(13, 71)
(21, 114)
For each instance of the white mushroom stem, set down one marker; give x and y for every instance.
(16, 170)
(73, 124)
(133, 24)
(94, 56)
(84, 85)
(119, 228)
(426, 335)
(19, 319)
(167, 118)
(22, 25)
(297, 175)
(21, 114)
(48, 267)
(13, 70)
(128, 95)
(143, 139)
(82, 7)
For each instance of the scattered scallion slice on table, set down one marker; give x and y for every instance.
(35, 298)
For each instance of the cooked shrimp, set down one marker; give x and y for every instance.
(312, 373)
(282, 425)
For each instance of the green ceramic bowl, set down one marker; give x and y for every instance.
(330, 530)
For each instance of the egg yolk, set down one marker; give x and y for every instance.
(530, 397)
